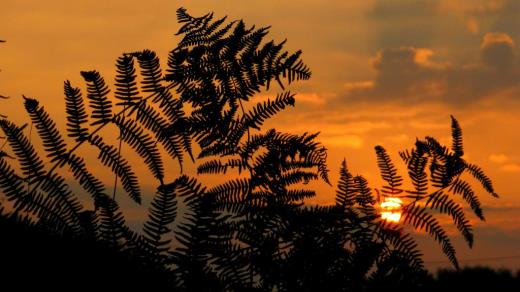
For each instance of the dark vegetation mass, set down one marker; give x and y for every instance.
(252, 231)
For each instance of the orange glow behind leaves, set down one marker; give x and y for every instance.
(391, 209)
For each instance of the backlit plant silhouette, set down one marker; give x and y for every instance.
(252, 230)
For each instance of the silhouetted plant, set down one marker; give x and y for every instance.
(253, 230)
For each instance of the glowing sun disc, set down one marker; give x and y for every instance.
(391, 209)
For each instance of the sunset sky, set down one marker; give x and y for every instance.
(384, 73)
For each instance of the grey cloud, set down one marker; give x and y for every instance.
(409, 74)
(404, 22)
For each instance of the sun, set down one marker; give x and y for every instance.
(391, 209)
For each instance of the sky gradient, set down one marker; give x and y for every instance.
(384, 73)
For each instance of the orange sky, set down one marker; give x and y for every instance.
(384, 72)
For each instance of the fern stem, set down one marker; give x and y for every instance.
(244, 114)
(118, 156)
(3, 145)
(28, 180)
(248, 218)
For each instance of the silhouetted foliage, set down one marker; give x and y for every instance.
(252, 231)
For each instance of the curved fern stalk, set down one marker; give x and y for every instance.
(388, 173)
(126, 90)
(420, 219)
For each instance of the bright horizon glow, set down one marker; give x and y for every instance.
(391, 209)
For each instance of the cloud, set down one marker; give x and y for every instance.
(411, 74)
(511, 167)
(349, 141)
(390, 21)
(497, 51)
(498, 158)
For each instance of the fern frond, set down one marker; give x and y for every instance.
(416, 170)
(263, 111)
(30, 163)
(456, 135)
(108, 155)
(297, 176)
(76, 114)
(365, 199)
(460, 187)
(97, 92)
(179, 126)
(442, 202)
(11, 184)
(64, 202)
(293, 68)
(217, 166)
(142, 143)
(420, 219)
(298, 195)
(233, 191)
(86, 179)
(191, 23)
(152, 120)
(405, 244)
(347, 190)
(162, 213)
(125, 81)
(484, 180)
(111, 223)
(48, 213)
(52, 141)
(388, 172)
(151, 73)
